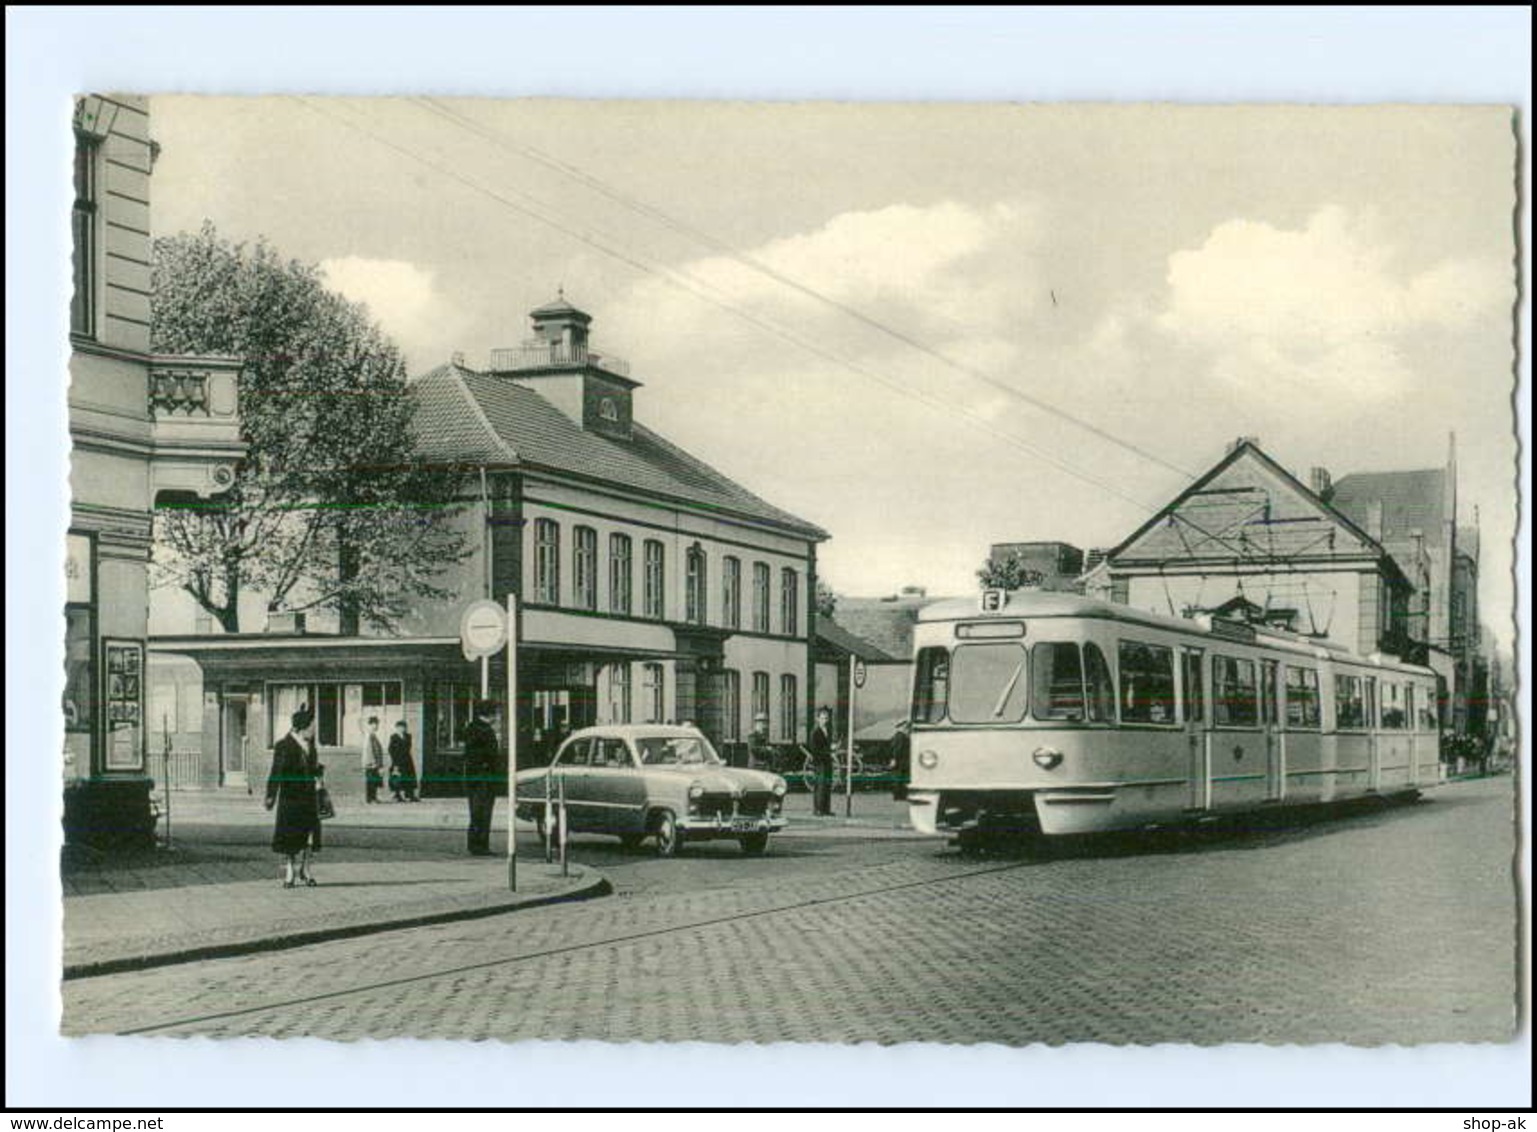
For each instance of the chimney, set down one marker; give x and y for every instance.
(1321, 482)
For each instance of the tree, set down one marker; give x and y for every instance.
(827, 601)
(330, 509)
(1009, 573)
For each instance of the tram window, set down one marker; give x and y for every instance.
(1147, 683)
(1268, 712)
(1234, 693)
(1395, 716)
(1349, 709)
(1058, 671)
(1369, 702)
(1301, 697)
(931, 690)
(1195, 695)
(987, 684)
(1100, 688)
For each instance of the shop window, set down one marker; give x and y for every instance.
(1147, 683)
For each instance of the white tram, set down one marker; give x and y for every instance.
(1048, 712)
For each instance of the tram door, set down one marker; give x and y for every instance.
(1270, 720)
(1196, 731)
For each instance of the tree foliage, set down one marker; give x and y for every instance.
(1008, 573)
(827, 601)
(330, 509)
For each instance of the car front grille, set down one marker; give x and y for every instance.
(754, 805)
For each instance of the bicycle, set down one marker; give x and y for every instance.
(806, 776)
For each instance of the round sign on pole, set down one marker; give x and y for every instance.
(859, 673)
(483, 629)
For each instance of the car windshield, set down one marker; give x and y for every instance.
(676, 750)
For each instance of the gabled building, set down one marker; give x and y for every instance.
(651, 587)
(1248, 535)
(144, 430)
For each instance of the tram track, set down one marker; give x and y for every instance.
(695, 924)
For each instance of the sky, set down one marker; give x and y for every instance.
(928, 328)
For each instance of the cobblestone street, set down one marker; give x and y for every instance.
(1389, 926)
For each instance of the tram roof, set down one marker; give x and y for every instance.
(1044, 603)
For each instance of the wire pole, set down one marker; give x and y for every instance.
(848, 781)
(510, 718)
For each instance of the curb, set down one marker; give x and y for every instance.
(595, 884)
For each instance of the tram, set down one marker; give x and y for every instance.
(1049, 713)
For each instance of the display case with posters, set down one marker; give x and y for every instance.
(123, 704)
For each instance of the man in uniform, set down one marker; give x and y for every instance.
(760, 752)
(482, 775)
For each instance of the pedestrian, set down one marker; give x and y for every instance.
(402, 765)
(822, 763)
(293, 786)
(373, 761)
(760, 752)
(901, 754)
(482, 762)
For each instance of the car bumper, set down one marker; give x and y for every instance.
(696, 826)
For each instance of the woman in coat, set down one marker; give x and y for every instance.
(293, 787)
(402, 765)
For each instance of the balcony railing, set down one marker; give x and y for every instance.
(194, 403)
(555, 355)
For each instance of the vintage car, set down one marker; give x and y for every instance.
(648, 780)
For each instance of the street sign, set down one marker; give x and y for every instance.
(859, 673)
(993, 601)
(483, 629)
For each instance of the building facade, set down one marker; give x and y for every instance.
(145, 430)
(650, 587)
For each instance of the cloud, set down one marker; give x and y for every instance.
(401, 297)
(1319, 308)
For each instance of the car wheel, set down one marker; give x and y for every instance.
(754, 844)
(668, 837)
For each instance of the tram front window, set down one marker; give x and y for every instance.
(987, 683)
(1058, 670)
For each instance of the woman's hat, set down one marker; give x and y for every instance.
(303, 718)
(485, 707)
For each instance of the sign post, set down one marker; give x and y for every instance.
(510, 721)
(856, 678)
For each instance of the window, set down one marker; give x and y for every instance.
(987, 683)
(82, 307)
(451, 704)
(1058, 671)
(731, 705)
(1369, 702)
(611, 754)
(1147, 683)
(386, 694)
(619, 693)
(731, 592)
(1269, 710)
(655, 593)
(1234, 692)
(654, 692)
(931, 689)
(789, 602)
(1195, 694)
(1301, 697)
(584, 567)
(695, 570)
(760, 696)
(1100, 687)
(1349, 706)
(79, 671)
(760, 597)
(788, 708)
(1426, 709)
(326, 701)
(1395, 713)
(547, 561)
(619, 574)
(578, 752)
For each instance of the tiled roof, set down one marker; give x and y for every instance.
(886, 624)
(1411, 501)
(844, 641)
(465, 416)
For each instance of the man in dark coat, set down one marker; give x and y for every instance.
(901, 751)
(402, 765)
(293, 787)
(482, 775)
(822, 763)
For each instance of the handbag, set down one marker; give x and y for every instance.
(323, 804)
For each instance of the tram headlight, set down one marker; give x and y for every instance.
(1047, 758)
(928, 760)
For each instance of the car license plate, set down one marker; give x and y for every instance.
(745, 825)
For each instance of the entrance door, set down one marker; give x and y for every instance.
(235, 738)
(1270, 720)
(1196, 731)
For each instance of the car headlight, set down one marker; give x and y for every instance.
(928, 760)
(1047, 758)
(780, 788)
(696, 791)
